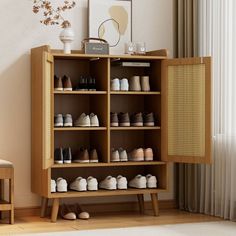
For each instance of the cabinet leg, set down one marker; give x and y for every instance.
(155, 204)
(44, 206)
(11, 198)
(55, 208)
(141, 203)
(1, 195)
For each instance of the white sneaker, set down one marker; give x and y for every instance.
(94, 120)
(138, 181)
(123, 154)
(124, 84)
(121, 182)
(80, 184)
(53, 186)
(83, 121)
(108, 183)
(151, 181)
(61, 185)
(92, 183)
(115, 157)
(115, 84)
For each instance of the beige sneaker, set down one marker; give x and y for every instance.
(134, 83)
(145, 83)
(136, 155)
(148, 154)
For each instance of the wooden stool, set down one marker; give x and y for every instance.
(7, 172)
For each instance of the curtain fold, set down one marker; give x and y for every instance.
(211, 189)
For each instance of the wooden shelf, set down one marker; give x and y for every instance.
(129, 191)
(80, 92)
(111, 164)
(134, 93)
(79, 128)
(136, 128)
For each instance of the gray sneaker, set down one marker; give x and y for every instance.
(134, 83)
(149, 119)
(124, 119)
(68, 122)
(114, 119)
(137, 119)
(58, 120)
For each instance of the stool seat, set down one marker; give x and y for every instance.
(5, 164)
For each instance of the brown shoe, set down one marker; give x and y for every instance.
(137, 119)
(82, 156)
(114, 119)
(148, 154)
(93, 156)
(58, 83)
(136, 155)
(124, 119)
(145, 83)
(149, 119)
(67, 85)
(134, 83)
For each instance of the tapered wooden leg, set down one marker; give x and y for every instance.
(141, 203)
(55, 208)
(11, 196)
(1, 195)
(44, 205)
(155, 204)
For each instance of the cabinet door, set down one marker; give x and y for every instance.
(186, 110)
(48, 110)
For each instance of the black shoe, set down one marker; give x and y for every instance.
(58, 156)
(67, 157)
(92, 84)
(82, 85)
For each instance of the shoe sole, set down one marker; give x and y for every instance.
(152, 185)
(67, 89)
(149, 124)
(79, 189)
(68, 125)
(58, 89)
(114, 124)
(148, 158)
(109, 187)
(58, 162)
(136, 160)
(67, 162)
(94, 125)
(143, 185)
(58, 125)
(93, 161)
(62, 189)
(137, 124)
(87, 161)
(82, 125)
(125, 124)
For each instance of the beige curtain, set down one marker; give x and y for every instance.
(186, 45)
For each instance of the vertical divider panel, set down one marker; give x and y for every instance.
(108, 109)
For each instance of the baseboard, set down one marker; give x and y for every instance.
(102, 207)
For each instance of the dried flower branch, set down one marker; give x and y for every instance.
(51, 15)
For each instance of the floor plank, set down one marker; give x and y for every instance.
(35, 224)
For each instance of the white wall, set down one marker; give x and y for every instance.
(20, 30)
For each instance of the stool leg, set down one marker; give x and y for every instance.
(1, 195)
(141, 203)
(155, 204)
(11, 187)
(44, 205)
(55, 208)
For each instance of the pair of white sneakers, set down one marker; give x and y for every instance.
(119, 85)
(112, 183)
(140, 181)
(87, 120)
(81, 184)
(119, 155)
(60, 185)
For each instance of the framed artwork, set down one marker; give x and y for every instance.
(111, 20)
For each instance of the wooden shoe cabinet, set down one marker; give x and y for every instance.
(180, 97)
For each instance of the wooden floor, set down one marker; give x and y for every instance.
(108, 220)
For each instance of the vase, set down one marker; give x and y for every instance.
(67, 36)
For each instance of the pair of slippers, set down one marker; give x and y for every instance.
(73, 212)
